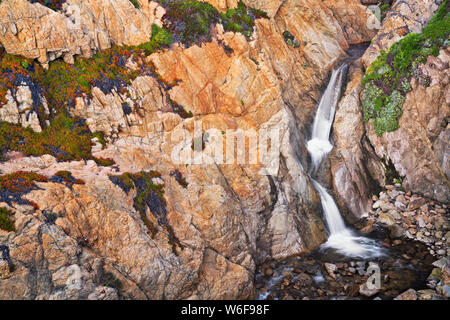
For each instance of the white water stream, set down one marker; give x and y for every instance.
(341, 238)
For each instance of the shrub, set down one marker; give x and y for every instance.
(190, 21)
(14, 185)
(5, 220)
(179, 178)
(148, 195)
(387, 80)
(135, 3)
(52, 4)
(20, 181)
(160, 38)
(66, 138)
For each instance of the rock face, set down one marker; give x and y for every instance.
(419, 150)
(403, 17)
(229, 217)
(354, 166)
(82, 28)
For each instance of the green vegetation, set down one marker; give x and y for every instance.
(148, 196)
(5, 220)
(52, 4)
(179, 178)
(290, 39)
(65, 177)
(66, 139)
(14, 185)
(387, 80)
(190, 21)
(63, 82)
(135, 3)
(20, 181)
(160, 38)
(111, 281)
(12, 70)
(100, 138)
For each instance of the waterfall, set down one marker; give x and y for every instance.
(341, 238)
(319, 145)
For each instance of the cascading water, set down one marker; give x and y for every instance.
(342, 239)
(319, 145)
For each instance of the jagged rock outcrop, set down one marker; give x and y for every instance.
(229, 217)
(418, 150)
(82, 28)
(403, 17)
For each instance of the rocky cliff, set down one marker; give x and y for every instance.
(126, 220)
(415, 153)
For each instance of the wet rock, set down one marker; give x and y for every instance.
(396, 231)
(440, 263)
(387, 219)
(268, 272)
(435, 275)
(331, 268)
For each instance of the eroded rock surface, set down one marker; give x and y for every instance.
(81, 28)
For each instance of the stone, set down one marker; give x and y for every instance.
(4, 269)
(395, 214)
(368, 290)
(104, 293)
(435, 275)
(331, 268)
(387, 219)
(386, 206)
(440, 263)
(410, 294)
(268, 272)
(396, 231)
(421, 223)
(80, 29)
(427, 294)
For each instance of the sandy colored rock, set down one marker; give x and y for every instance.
(402, 18)
(82, 28)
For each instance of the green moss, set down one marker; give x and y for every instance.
(66, 138)
(145, 190)
(20, 182)
(387, 80)
(135, 3)
(160, 38)
(100, 138)
(290, 39)
(190, 21)
(148, 196)
(5, 220)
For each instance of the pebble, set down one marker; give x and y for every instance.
(367, 291)
(268, 272)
